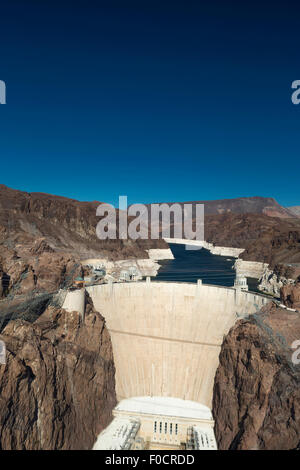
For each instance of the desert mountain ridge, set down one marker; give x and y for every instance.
(240, 205)
(43, 238)
(243, 205)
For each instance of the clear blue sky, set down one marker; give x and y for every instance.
(157, 100)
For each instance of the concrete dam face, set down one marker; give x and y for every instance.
(167, 337)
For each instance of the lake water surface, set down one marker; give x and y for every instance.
(191, 265)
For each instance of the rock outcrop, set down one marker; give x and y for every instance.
(265, 239)
(290, 295)
(44, 271)
(43, 239)
(272, 281)
(256, 403)
(57, 389)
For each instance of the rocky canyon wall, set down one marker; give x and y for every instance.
(290, 295)
(57, 389)
(256, 402)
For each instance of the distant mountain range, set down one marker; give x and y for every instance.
(245, 205)
(267, 231)
(44, 237)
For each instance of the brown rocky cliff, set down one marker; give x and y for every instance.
(44, 271)
(290, 295)
(256, 402)
(68, 226)
(43, 238)
(57, 389)
(265, 239)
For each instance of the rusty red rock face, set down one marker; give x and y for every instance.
(290, 295)
(256, 403)
(57, 389)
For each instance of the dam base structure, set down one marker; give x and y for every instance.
(152, 423)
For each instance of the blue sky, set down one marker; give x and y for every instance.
(156, 100)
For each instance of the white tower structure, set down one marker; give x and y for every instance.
(240, 282)
(159, 423)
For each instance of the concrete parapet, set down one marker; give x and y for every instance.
(75, 301)
(60, 297)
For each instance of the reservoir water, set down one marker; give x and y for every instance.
(190, 265)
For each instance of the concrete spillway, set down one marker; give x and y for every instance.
(167, 337)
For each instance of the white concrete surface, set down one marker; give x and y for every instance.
(215, 250)
(147, 266)
(165, 406)
(160, 254)
(117, 434)
(253, 269)
(167, 337)
(75, 301)
(204, 439)
(160, 423)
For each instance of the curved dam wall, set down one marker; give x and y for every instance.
(167, 337)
